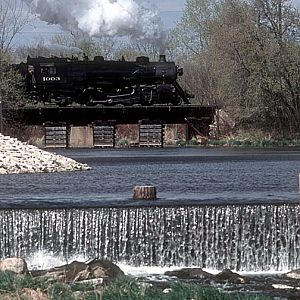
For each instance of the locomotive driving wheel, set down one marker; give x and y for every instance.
(176, 101)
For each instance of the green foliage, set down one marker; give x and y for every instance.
(254, 138)
(251, 297)
(216, 143)
(124, 288)
(59, 291)
(122, 143)
(83, 287)
(7, 281)
(10, 282)
(130, 289)
(193, 142)
(263, 143)
(180, 143)
(12, 86)
(28, 281)
(193, 291)
(245, 57)
(93, 296)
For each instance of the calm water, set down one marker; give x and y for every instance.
(183, 176)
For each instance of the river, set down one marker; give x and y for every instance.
(217, 208)
(183, 176)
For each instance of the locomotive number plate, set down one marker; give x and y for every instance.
(53, 78)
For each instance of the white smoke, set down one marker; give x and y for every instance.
(101, 17)
(61, 50)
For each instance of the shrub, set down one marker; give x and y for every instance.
(193, 142)
(180, 143)
(59, 291)
(123, 143)
(82, 287)
(7, 281)
(28, 281)
(94, 295)
(123, 288)
(216, 142)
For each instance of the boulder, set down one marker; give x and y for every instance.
(14, 264)
(295, 274)
(80, 271)
(31, 294)
(66, 273)
(231, 277)
(191, 273)
(111, 270)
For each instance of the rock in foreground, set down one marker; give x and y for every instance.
(80, 271)
(18, 157)
(14, 264)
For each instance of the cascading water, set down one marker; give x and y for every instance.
(240, 237)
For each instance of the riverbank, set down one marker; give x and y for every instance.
(19, 157)
(124, 288)
(101, 279)
(244, 138)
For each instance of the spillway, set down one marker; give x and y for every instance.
(239, 237)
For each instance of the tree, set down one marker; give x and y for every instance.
(190, 48)
(100, 45)
(193, 31)
(13, 18)
(14, 15)
(152, 48)
(249, 50)
(256, 50)
(281, 24)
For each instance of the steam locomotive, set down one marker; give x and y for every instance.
(63, 81)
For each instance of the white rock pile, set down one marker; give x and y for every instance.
(18, 157)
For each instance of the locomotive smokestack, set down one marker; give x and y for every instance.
(162, 58)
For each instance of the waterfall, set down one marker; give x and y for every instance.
(239, 237)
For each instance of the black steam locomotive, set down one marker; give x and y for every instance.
(90, 82)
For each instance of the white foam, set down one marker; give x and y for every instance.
(42, 260)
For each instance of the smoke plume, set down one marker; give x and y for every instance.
(101, 17)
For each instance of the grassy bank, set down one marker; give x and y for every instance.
(127, 288)
(247, 138)
(263, 143)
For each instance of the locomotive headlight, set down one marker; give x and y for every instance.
(179, 71)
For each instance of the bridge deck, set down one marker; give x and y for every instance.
(78, 115)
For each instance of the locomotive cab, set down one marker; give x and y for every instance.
(29, 78)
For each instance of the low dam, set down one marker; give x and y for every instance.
(239, 237)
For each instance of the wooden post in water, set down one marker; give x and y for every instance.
(144, 192)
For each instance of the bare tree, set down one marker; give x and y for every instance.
(193, 31)
(250, 59)
(103, 45)
(14, 15)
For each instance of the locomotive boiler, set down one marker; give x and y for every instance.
(90, 82)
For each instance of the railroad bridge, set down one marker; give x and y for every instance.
(98, 126)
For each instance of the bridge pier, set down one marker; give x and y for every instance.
(80, 137)
(111, 136)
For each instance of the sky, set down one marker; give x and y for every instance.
(169, 5)
(178, 5)
(170, 12)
